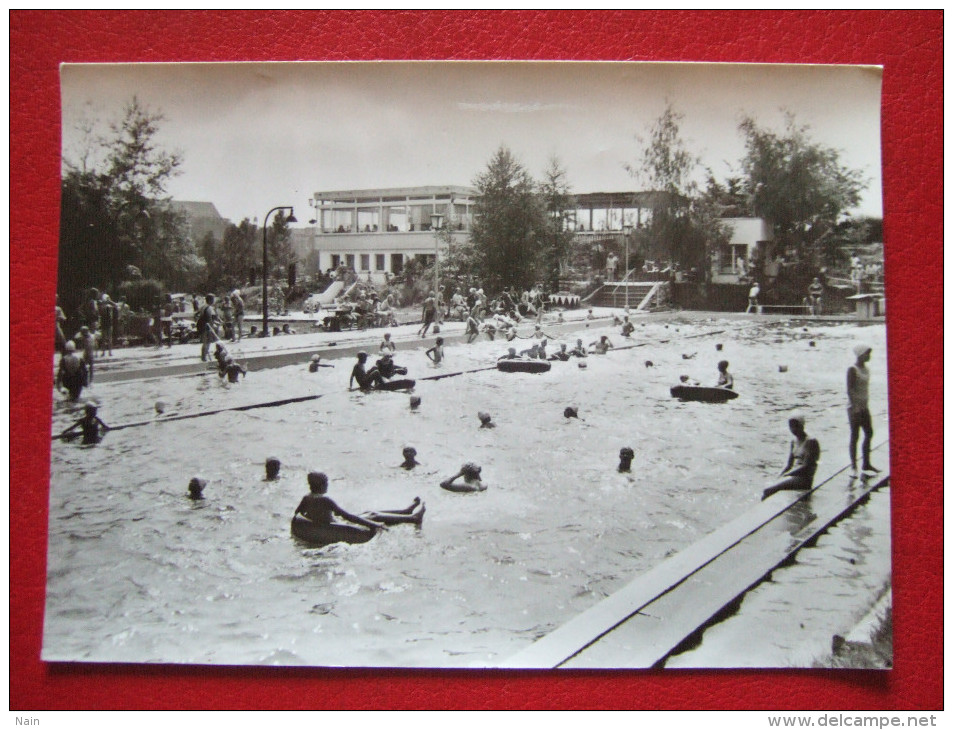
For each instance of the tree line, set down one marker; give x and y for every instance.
(119, 229)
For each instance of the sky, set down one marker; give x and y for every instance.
(254, 136)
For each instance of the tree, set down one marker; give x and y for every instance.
(558, 203)
(684, 225)
(281, 253)
(509, 224)
(241, 252)
(798, 185)
(114, 211)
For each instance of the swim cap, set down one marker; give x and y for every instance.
(483, 416)
(70, 346)
(861, 349)
(315, 358)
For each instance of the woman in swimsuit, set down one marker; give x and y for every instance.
(805, 452)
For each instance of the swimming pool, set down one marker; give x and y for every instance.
(139, 573)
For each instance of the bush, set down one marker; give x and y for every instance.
(141, 294)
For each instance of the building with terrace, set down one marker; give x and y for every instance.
(376, 231)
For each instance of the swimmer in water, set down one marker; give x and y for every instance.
(627, 328)
(321, 510)
(410, 458)
(233, 370)
(414, 402)
(435, 353)
(387, 345)
(562, 354)
(366, 379)
(510, 355)
(387, 368)
(625, 459)
(196, 486)
(316, 363)
(471, 479)
(579, 350)
(272, 468)
(725, 380)
(798, 473)
(486, 420)
(90, 424)
(601, 346)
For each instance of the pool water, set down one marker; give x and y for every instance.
(137, 572)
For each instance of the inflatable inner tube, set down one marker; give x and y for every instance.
(703, 394)
(523, 366)
(320, 535)
(405, 384)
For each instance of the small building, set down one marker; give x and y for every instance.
(749, 238)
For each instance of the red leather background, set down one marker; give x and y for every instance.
(910, 47)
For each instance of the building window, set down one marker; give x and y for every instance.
(350, 260)
(396, 263)
(365, 262)
(335, 260)
(379, 262)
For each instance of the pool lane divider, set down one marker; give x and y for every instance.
(266, 404)
(666, 608)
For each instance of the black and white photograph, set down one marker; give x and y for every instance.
(470, 365)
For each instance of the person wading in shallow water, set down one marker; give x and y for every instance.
(92, 426)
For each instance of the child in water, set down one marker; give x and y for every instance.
(626, 455)
(410, 458)
(579, 350)
(601, 346)
(435, 353)
(90, 424)
(725, 380)
(471, 480)
(320, 510)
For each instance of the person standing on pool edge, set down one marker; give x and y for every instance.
(858, 411)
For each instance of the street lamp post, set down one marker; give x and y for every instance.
(626, 232)
(264, 264)
(436, 221)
